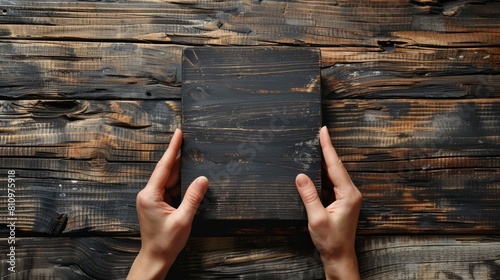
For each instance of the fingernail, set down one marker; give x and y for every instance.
(201, 181)
(302, 180)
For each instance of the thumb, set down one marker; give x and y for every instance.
(309, 195)
(193, 197)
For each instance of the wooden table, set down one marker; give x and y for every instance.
(90, 96)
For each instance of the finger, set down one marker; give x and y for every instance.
(174, 173)
(309, 195)
(162, 170)
(336, 170)
(193, 197)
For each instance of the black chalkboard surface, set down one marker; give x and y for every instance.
(250, 118)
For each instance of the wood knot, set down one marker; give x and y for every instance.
(99, 161)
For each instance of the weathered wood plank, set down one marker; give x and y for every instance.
(54, 207)
(422, 165)
(89, 70)
(429, 257)
(70, 258)
(411, 73)
(414, 123)
(348, 23)
(84, 124)
(72, 158)
(265, 257)
(429, 134)
(431, 169)
(250, 118)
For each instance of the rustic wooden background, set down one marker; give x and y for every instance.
(90, 96)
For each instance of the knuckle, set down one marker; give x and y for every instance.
(142, 200)
(318, 223)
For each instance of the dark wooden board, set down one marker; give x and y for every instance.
(424, 166)
(250, 118)
(433, 169)
(260, 257)
(95, 70)
(383, 24)
(411, 73)
(87, 70)
(79, 163)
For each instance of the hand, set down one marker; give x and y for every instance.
(164, 229)
(333, 229)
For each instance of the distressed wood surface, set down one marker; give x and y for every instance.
(410, 89)
(411, 73)
(422, 165)
(79, 164)
(250, 120)
(264, 257)
(88, 70)
(375, 23)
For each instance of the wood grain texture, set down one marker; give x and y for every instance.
(80, 163)
(414, 123)
(71, 258)
(92, 70)
(250, 118)
(405, 150)
(422, 165)
(263, 257)
(413, 73)
(244, 22)
(429, 257)
(86, 70)
(411, 90)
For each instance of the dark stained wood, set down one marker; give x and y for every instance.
(417, 123)
(435, 175)
(71, 258)
(406, 150)
(80, 163)
(410, 91)
(89, 70)
(264, 257)
(250, 118)
(410, 73)
(381, 24)
(429, 257)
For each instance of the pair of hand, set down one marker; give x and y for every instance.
(165, 230)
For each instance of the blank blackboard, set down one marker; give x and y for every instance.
(250, 118)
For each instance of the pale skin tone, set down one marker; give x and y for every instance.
(333, 229)
(165, 229)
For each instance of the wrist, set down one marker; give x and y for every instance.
(344, 266)
(149, 266)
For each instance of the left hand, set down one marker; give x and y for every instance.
(164, 229)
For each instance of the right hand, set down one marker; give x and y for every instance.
(333, 229)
